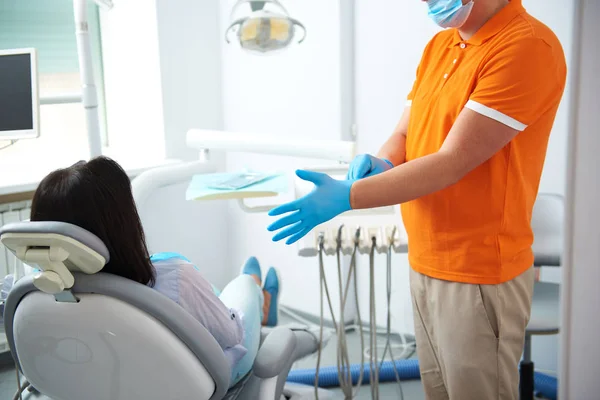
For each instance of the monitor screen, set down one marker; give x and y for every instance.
(18, 94)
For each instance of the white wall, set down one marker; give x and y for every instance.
(189, 39)
(132, 79)
(558, 15)
(580, 355)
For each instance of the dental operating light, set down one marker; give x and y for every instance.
(263, 26)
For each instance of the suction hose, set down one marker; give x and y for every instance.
(546, 385)
(407, 369)
(328, 376)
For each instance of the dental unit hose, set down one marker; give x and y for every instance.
(343, 360)
(345, 370)
(388, 344)
(374, 366)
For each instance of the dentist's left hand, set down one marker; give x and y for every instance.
(328, 199)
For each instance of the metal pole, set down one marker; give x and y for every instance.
(527, 349)
(67, 98)
(86, 71)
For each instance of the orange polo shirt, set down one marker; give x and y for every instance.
(512, 70)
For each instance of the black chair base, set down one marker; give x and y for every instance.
(526, 382)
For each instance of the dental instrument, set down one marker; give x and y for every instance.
(263, 26)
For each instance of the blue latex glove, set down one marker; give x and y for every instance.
(366, 165)
(328, 199)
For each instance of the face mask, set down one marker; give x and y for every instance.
(449, 13)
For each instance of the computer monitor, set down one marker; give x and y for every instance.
(19, 95)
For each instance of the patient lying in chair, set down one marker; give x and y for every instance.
(96, 196)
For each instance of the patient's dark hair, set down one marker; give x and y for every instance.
(96, 196)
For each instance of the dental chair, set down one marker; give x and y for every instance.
(77, 333)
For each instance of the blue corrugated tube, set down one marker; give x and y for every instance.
(328, 376)
(546, 385)
(407, 370)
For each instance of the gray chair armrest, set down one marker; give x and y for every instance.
(275, 352)
(542, 326)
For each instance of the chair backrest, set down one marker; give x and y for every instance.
(120, 340)
(548, 228)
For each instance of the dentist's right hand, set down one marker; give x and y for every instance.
(366, 165)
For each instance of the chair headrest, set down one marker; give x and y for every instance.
(55, 247)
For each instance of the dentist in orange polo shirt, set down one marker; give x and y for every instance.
(464, 162)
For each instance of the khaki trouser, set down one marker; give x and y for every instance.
(470, 337)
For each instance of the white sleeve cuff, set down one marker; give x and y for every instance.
(495, 115)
